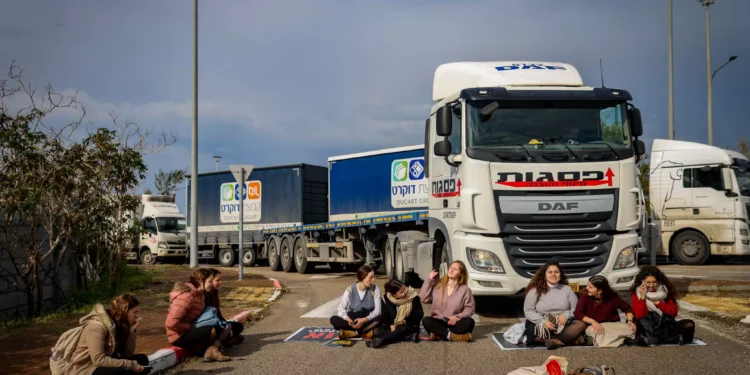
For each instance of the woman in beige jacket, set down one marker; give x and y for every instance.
(107, 343)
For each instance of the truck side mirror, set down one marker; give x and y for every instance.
(636, 124)
(443, 148)
(726, 174)
(444, 123)
(639, 147)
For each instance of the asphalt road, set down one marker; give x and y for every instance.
(709, 271)
(264, 351)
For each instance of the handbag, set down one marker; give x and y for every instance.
(655, 328)
(210, 318)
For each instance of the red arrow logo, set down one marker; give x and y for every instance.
(450, 193)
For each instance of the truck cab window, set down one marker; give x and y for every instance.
(455, 136)
(697, 178)
(149, 225)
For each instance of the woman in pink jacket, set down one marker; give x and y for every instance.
(186, 304)
(452, 304)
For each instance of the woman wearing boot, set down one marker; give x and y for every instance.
(548, 309)
(654, 300)
(452, 304)
(233, 337)
(598, 307)
(186, 304)
(359, 311)
(107, 343)
(402, 312)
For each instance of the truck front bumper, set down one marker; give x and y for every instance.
(510, 283)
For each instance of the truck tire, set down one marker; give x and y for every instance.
(147, 258)
(227, 257)
(249, 257)
(388, 258)
(690, 248)
(300, 256)
(287, 254)
(445, 258)
(399, 263)
(273, 253)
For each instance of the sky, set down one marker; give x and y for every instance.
(357, 75)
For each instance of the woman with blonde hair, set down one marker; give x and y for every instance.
(452, 304)
(107, 343)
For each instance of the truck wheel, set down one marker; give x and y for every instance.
(445, 259)
(388, 259)
(400, 268)
(249, 257)
(300, 256)
(287, 254)
(690, 248)
(273, 253)
(147, 257)
(226, 257)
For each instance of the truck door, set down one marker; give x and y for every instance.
(707, 193)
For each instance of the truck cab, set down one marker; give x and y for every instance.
(527, 164)
(164, 230)
(700, 197)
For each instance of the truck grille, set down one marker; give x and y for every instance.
(581, 241)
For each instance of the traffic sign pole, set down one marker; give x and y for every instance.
(241, 172)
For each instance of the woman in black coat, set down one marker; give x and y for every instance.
(402, 314)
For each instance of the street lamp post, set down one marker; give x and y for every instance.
(707, 4)
(217, 158)
(670, 130)
(194, 156)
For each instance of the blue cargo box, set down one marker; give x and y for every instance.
(377, 183)
(275, 197)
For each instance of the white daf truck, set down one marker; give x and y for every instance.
(164, 230)
(525, 163)
(700, 201)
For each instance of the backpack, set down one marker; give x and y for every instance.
(60, 360)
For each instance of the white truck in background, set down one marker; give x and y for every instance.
(700, 201)
(525, 163)
(164, 230)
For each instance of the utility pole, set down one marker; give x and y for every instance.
(707, 4)
(194, 156)
(216, 159)
(670, 130)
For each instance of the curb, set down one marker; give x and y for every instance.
(715, 288)
(169, 357)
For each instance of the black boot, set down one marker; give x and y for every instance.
(376, 342)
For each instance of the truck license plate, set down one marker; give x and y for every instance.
(575, 287)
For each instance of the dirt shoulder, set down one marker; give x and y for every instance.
(26, 349)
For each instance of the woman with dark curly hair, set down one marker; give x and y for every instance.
(549, 307)
(654, 301)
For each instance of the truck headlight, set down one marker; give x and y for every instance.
(626, 258)
(163, 245)
(483, 260)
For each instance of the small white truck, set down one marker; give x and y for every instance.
(700, 200)
(164, 230)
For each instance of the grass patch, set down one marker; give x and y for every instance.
(82, 301)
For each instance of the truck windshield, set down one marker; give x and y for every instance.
(545, 131)
(742, 172)
(171, 224)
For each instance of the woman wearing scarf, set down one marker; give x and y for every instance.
(654, 301)
(402, 312)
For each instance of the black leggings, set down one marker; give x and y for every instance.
(568, 335)
(142, 360)
(441, 328)
(237, 328)
(399, 334)
(340, 323)
(196, 341)
(684, 328)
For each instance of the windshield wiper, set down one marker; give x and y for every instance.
(523, 147)
(606, 144)
(552, 140)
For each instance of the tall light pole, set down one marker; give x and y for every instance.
(216, 159)
(707, 4)
(194, 162)
(670, 129)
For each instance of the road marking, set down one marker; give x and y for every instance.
(325, 310)
(303, 304)
(320, 277)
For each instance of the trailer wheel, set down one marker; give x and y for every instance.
(147, 257)
(226, 257)
(444, 257)
(399, 262)
(273, 253)
(690, 248)
(287, 254)
(249, 257)
(300, 256)
(388, 259)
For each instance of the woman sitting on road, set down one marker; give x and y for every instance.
(598, 307)
(452, 304)
(186, 304)
(212, 299)
(654, 300)
(402, 312)
(107, 343)
(359, 311)
(548, 309)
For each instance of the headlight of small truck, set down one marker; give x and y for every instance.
(483, 260)
(626, 258)
(163, 245)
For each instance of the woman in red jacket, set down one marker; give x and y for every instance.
(654, 301)
(186, 304)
